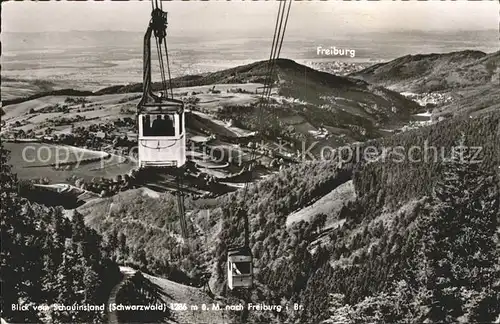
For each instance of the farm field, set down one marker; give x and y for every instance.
(111, 107)
(329, 204)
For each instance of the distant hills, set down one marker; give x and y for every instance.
(453, 71)
(471, 78)
(348, 100)
(307, 99)
(354, 107)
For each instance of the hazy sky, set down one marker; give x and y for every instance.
(253, 17)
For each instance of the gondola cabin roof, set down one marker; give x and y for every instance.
(240, 251)
(161, 107)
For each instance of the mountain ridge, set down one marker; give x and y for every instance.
(315, 97)
(434, 72)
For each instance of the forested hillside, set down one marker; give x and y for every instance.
(47, 259)
(437, 261)
(396, 177)
(138, 290)
(476, 101)
(145, 232)
(346, 99)
(388, 262)
(384, 264)
(373, 263)
(381, 265)
(150, 225)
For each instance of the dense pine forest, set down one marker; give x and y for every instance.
(48, 259)
(437, 262)
(433, 256)
(418, 244)
(399, 179)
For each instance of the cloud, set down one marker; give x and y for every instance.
(205, 18)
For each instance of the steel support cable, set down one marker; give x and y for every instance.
(268, 82)
(164, 73)
(162, 67)
(180, 205)
(279, 50)
(160, 54)
(271, 55)
(159, 60)
(275, 54)
(276, 46)
(270, 61)
(274, 49)
(168, 69)
(179, 176)
(162, 63)
(284, 27)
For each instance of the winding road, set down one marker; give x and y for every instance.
(127, 273)
(182, 297)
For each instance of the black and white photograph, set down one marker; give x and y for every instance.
(226, 162)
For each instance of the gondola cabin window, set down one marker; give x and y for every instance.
(159, 125)
(241, 268)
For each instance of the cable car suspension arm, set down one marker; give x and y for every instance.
(158, 28)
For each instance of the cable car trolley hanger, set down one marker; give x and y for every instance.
(160, 118)
(240, 259)
(162, 139)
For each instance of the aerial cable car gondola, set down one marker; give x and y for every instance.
(160, 118)
(240, 259)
